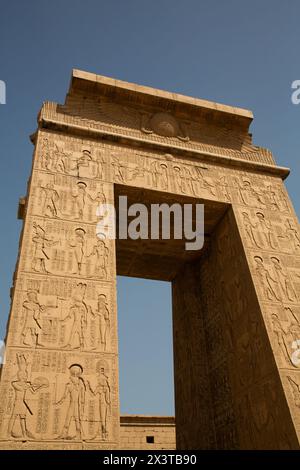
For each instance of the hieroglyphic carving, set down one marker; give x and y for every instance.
(62, 342)
(263, 196)
(224, 189)
(103, 314)
(295, 389)
(285, 325)
(165, 174)
(291, 236)
(259, 231)
(41, 245)
(54, 319)
(32, 326)
(74, 392)
(129, 166)
(58, 379)
(20, 407)
(274, 279)
(102, 393)
(66, 198)
(116, 119)
(284, 280)
(65, 315)
(243, 343)
(61, 248)
(249, 195)
(70, 156)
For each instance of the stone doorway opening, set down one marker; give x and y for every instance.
(145, 335)
(168, 260)
(146, 378)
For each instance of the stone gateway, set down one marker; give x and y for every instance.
(236, 302)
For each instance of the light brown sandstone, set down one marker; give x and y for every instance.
(236, 303)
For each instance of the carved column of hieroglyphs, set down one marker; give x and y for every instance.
(271, 237)
(242, 370)
(224, 367)
(239, 348)
(59, 387)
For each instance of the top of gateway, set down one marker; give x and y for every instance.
(148, 96)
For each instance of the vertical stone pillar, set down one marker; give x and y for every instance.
(59, 386)
(269, 231)
(193, 404)
(227, 367)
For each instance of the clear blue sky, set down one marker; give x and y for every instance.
(235, 51)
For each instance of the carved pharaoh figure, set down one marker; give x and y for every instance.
(224, 188)
(269, 283)
(75, 393)
(78, 245)
(295, 391)
(266, 229)
(249, 195)
(20, 406)
(51, 199)
(41, 256)
(102, 392)
(102, 313)
(99, 255)
(119, 170)
(79, 198)
(32, 326)
(280, 333)
(178, 178)
(276, 199)
(63, 162)
(161, 177)
(283, 280)
(96, 202)
(100, 166)
(292, 235)
(78, 315)
(83, 164)
(205, 181)
(251, 230)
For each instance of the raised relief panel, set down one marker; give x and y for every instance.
(261, 229)
(71, 156)
(167, 173)
(63, 314)
(289, 238)
(58, 396)
(284, 322)
(67, 198)
(164, 124)
(156, 125)
(65, 248)
(292, 380)
(261, 193)
(276, 280)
